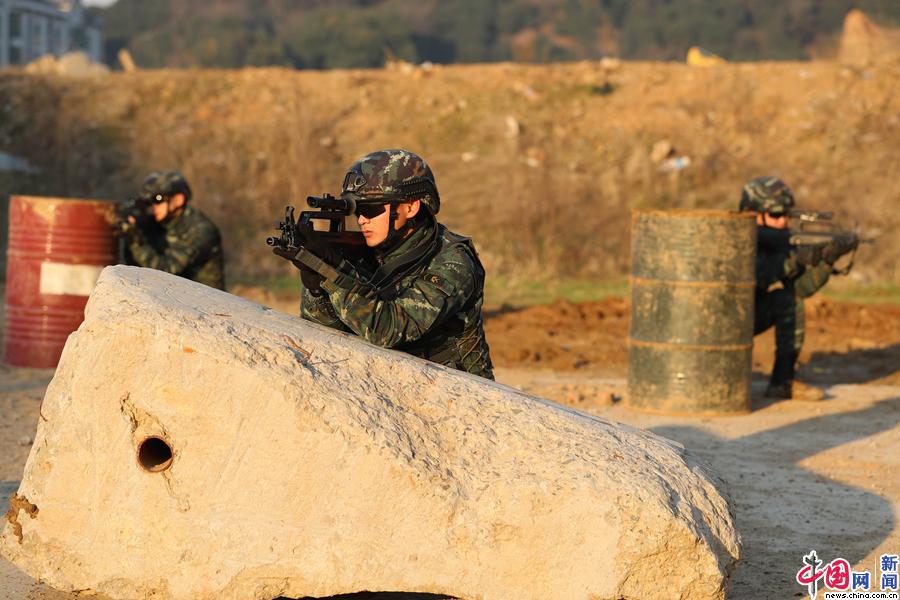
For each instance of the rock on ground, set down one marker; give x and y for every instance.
(307, 462)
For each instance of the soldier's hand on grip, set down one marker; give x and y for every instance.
(130, 215)
(312, 281)
(126, 227)
(290, 253)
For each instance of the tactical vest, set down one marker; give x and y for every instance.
(459, 341)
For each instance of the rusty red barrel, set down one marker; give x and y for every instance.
(57, 248)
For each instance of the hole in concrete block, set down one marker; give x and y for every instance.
(155, 454)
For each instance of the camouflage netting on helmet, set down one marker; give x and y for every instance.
(392, 175)
(767, 195)
(165, 183)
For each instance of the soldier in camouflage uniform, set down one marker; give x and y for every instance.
(180, 239)
(426, 292)
(784, 277)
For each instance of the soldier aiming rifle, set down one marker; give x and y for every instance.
(791, 264)
(161, 230)
(404, 281)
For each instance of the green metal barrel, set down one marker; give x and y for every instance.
(691, 334)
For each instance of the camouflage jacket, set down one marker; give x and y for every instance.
(433, 312)
(776, 265)
(189, 245)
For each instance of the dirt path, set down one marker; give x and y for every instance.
(802, 475)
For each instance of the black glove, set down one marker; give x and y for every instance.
(306, 238)
(839, 246)
(312, 281)
(808, 255)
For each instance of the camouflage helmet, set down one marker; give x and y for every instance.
(165, 183)
(388, 175)
(767, 195)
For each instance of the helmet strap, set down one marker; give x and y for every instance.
(395, 236)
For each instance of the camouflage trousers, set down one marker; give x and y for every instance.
(783, 309)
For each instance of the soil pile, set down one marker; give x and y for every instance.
(562, 336)
(845, 343)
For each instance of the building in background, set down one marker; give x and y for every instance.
(30, 29)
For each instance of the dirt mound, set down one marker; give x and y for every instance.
(845, 343)
(541, 164)
(561, 336)
(864, 42)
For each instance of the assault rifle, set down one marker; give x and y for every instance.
(298, 235)
(813, 237)
(131, 217)
(137, 208)
(296, 232)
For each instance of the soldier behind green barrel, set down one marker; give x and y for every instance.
(785, 275)
(426, 292)
(176, 237)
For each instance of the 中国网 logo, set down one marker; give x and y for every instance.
(837, 575)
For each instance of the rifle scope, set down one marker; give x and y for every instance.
(329, 202)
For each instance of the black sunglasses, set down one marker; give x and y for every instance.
(158, 199)
(369, 210)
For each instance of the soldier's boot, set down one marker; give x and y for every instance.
(783, 369)
(780, 391)
(781, 382)
(809, 393)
